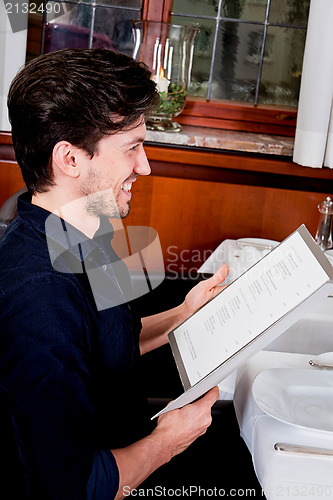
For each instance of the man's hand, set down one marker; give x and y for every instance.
(204, 291)
(156, 327)
(175, 431)
(179, 428)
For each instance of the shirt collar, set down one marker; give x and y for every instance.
(61, 232)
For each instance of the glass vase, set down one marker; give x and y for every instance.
(167, 49)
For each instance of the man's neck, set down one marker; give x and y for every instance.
(74, 212)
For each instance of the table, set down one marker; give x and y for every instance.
(281, 475)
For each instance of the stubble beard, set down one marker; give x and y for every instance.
(98, 204)
(101, 202)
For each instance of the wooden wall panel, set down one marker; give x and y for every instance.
(10, 180)
(192, 217)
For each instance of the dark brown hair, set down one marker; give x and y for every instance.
(74, 95)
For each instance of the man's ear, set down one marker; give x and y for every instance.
(65, 158)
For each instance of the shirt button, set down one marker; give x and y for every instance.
(104, 267)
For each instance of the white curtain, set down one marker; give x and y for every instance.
(314, 132)
(12, 56)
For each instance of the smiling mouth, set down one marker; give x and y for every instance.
(126, 186)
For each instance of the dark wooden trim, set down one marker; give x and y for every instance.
(221, 166)
(241, 111)
(240, 126)
(5, 137)
(34, 37)
(271, 164)
(241, 177)
(6, 147)
(7, 153)
(239, 116)
(153, 10)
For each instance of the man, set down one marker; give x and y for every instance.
(70, 343)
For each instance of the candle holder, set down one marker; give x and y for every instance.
(167, 49)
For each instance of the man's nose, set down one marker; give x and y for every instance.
(142, 166)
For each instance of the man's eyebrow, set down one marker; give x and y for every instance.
(136, 140)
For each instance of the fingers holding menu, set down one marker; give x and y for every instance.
(179, 428)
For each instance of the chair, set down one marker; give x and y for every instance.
(8, 210)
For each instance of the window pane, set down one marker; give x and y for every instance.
(112, 27)
(248, 10)
(136, 4)
(207, 8)
(70, 30)
(115, 25)
(289, 12)
(237, 61)
(202, 56)
(74, 2)
(119, 3)
(282, 66)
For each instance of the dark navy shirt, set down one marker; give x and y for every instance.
(68, 355)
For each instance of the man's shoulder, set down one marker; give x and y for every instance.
(20, 238)
(22, 252)
(45, 301)
(25, 261)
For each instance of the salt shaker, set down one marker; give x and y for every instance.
(324, 231)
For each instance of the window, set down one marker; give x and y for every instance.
(247, 50)
(247, 59)
(85, 24)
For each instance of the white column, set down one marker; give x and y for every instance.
(316, 93)
(12, 58)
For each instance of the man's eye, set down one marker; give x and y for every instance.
(134, 147)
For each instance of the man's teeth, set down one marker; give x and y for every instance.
(126, 186)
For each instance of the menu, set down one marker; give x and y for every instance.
(253, 310)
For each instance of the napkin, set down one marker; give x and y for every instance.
(239, 257)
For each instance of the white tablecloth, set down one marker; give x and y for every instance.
(311, 335)
(281, 474)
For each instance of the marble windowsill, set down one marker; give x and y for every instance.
(247, 142)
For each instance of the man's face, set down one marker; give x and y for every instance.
(110, 174)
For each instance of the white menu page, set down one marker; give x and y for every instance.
(250, 305)
(258, 298)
